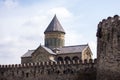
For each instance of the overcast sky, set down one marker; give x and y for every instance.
(22, 23)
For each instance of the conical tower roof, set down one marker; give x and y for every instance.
(54, 26)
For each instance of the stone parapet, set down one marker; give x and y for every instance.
(51, 63)
(66, 70)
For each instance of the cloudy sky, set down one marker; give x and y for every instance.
(22, 23)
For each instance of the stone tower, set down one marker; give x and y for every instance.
(54, 34)
(108, 49)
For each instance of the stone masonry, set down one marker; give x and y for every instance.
(108, 49)
(105, 67)
(75, 70)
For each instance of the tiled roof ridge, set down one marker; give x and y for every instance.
(31, 49)
(75, 45)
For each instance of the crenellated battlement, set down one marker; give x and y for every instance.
(105, 27)
(108, 49)
(84, 62)
(71, 70)
(109, 21)
(105, 67)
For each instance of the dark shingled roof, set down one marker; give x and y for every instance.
(30, 52)
(72, 49)
(54, 26)
(62, 50)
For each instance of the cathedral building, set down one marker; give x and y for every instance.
(55, 61)
(54, 48)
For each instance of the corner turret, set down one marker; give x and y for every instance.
(108, 49)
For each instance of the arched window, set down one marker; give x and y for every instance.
(60, 59)
(55, 42)
(58, 42)
(27, 75)
(58, 72)
(12, 73)
(75, 58)
(67, 58)
(22, 73)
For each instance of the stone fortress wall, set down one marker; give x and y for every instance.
(108, 49)
(105, 67)
(67, 70)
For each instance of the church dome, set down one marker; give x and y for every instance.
(54, 26)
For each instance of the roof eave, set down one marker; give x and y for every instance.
(53, 31)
